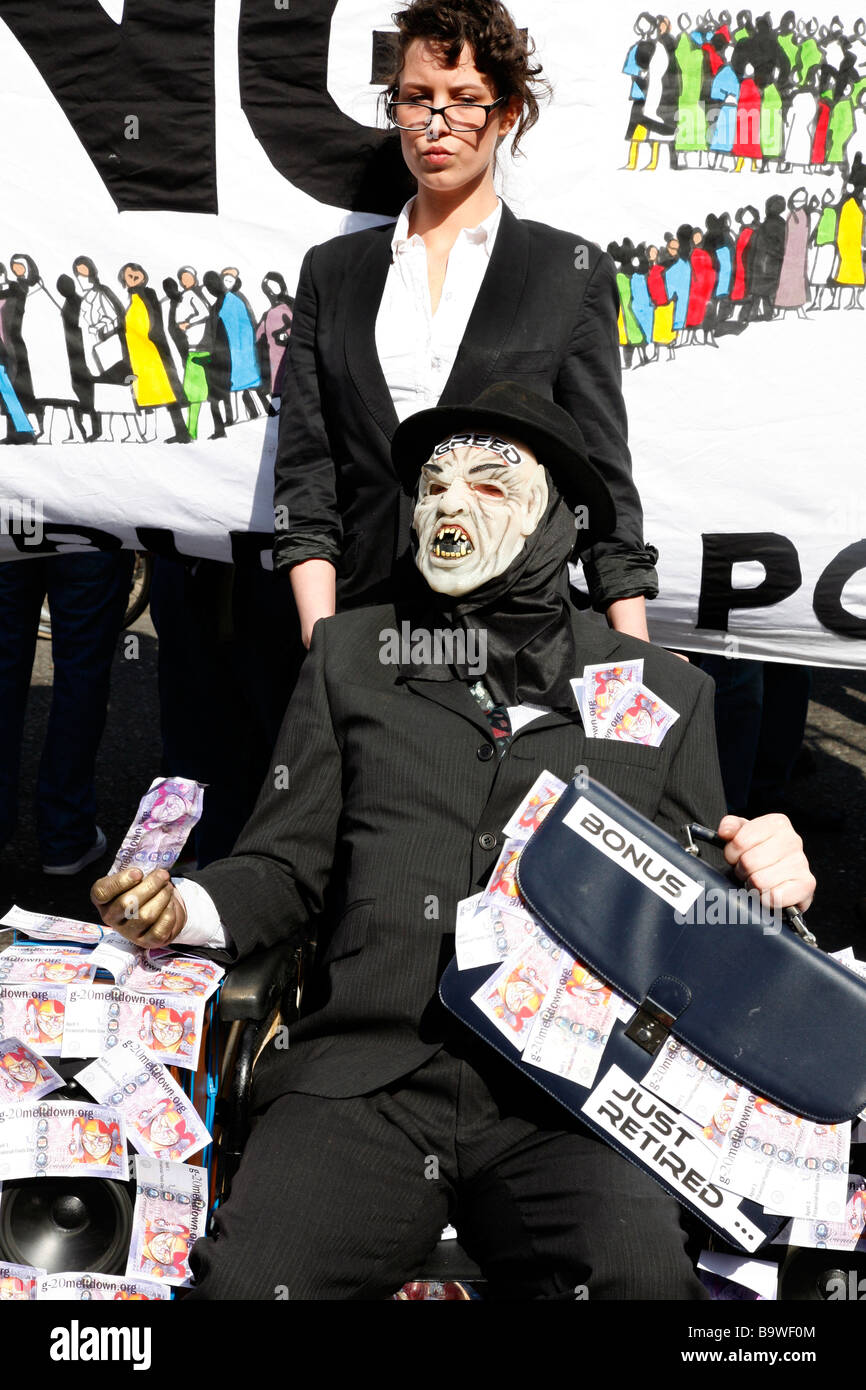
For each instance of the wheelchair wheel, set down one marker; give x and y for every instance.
(139, 594)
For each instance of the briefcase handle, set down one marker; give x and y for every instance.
(792, 915)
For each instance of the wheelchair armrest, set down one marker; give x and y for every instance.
(252, 989)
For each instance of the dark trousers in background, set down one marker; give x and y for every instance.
(229, 651)
(88, 596)
(761, 709)
(345, 1198)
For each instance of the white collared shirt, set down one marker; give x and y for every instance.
(416, 347)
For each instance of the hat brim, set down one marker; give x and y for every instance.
(579, 481)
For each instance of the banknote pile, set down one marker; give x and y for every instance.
(614, 703)
(51, 997)
(558, 1017)
(75, 990)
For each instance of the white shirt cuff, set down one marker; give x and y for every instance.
(204, 925)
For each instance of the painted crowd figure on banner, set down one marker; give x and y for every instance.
(725, 94)
(77, 365)
(37, 357)
(802, 255)
(273, 329)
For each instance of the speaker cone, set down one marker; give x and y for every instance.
(60, 1224)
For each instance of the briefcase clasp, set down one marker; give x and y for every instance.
(650, 1027)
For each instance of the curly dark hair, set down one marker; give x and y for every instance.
(502, 52)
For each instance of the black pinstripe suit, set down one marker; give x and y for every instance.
(377, 836)
(391, 787)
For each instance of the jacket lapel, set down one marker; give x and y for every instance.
(492, 319)
(362, 359)
(453, 694)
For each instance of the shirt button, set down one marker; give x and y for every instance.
(485, 752)
(487, 841)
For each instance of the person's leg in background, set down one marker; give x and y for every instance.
(22, 589)
(784, 712)
(738, 706)
(88, 597)
(226, 660)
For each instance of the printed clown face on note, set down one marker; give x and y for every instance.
(479, 498)
(165, 1128)
(20, 1066)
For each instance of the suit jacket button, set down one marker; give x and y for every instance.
(485, 752)
(487, 841)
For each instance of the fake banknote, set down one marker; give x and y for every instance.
(687, 1081)
(43, 928)
(24, 1075)
(603, 685)
(572, 1028)
(50, 965)
(93, 1288)
(168, 811)
(515, 992)
(160, 1120)
(99, 1017)
(534, 807)
(36, 1014)
(18, 1282)
(847, 1234)
(170, 1215)
(786, 1163)
(57, 1139)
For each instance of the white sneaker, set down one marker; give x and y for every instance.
(95, 852)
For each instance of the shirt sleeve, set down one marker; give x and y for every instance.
(203, 926)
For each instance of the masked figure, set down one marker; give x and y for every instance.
(404, 772)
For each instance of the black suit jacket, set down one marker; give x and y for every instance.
(392, 790)
(546, 316)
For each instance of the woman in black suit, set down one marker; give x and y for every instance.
(461, 295)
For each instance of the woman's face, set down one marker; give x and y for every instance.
(442, 160)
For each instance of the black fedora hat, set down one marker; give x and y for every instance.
(511, 410)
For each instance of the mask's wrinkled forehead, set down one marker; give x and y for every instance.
(509, 453)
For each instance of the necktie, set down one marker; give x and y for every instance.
(497, 716)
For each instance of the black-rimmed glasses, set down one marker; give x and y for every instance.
(460, 116)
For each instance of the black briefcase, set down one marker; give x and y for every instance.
(703, 964)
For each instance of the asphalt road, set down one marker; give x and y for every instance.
(129, 759)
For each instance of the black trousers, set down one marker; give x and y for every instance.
(344, 1199)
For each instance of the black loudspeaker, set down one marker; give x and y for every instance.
(62, 1224)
